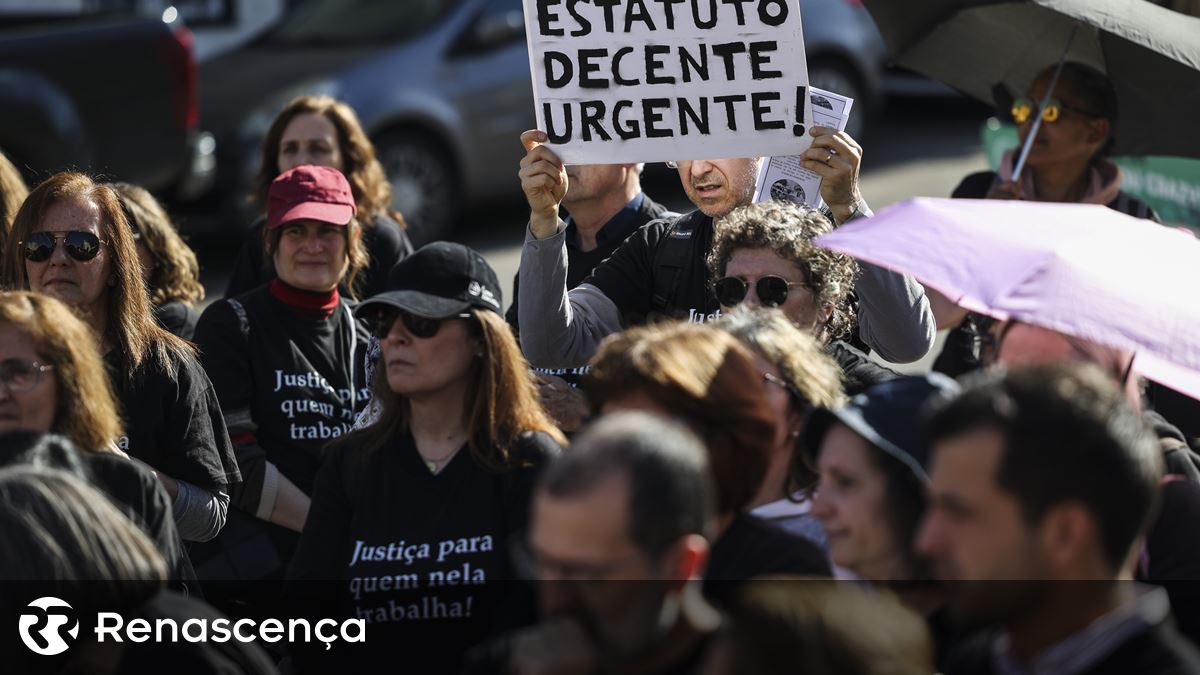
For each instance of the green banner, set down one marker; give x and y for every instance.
(1171, 185)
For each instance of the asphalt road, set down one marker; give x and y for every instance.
(920, 147)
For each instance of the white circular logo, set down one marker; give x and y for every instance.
(43, 623)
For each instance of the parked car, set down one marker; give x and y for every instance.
(111, 94)
(442, 87)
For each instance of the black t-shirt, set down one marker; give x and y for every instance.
(140, 496)
(178, 318)
(385, 241)
(649, 278)
(423, 558)
(299, 379)
(753, 547)
(173, 421)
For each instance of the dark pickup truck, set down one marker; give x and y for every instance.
(114, 95)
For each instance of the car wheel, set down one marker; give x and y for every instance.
(832, 75)
(424, 184)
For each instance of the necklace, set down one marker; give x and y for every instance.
(433, 464)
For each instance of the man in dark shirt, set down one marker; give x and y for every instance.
(617, 542)
(659, 271)
(1041, 479)
(605, 204)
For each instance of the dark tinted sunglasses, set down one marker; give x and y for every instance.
(417, 326)
(772, 290)
(80, 245)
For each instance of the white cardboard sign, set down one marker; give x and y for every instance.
(658, 80)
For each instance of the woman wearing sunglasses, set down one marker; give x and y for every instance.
(286, 361)
(1067, 161)
(763, 256)
(74, 243)
(416, 510)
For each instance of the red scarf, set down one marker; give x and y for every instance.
(307, 304)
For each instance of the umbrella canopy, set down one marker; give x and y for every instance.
(1084, 270)
(1151, 54)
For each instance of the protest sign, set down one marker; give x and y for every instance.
(782, 177)
(659, 80)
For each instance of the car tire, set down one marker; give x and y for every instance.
(424, 183)
(835, 75)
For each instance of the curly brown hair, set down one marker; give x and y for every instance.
(372, 191)
(13, 191)
(788, 229)
(176, 273)
(84, 408)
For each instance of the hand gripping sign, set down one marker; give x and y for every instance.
(659, 80)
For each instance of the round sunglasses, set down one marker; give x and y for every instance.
(1024, 108)
(79, 244)
(20, 375)
(417, 326)
(772, 290)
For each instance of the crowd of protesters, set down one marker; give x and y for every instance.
(673, 452)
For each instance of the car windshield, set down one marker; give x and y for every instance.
(351, 22)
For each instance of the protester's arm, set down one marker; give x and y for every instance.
(199, 514)
(319, 554)
(570, 325)
(894, 318)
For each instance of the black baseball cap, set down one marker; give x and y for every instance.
(438, 281)
(888, 416)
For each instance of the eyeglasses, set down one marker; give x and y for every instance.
(21, 375)
(772, 290)
(418, 326)
(80, 245)
(1023, 109)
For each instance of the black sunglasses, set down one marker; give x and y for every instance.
(772, 290)
(418, 326)
(80, 245)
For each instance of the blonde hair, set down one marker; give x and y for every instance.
(501, 403)
(131, 324)
(176, 273)
(84, 408)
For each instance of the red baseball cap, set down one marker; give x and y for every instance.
(310, 192)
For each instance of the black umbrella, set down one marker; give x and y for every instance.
(1151, 54)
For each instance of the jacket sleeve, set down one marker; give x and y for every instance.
(894, 317)
(570, 325)
(248, 272)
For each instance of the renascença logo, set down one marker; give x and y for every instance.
(43, 624)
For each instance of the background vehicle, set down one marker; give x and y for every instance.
(111, 94)
(442, 87)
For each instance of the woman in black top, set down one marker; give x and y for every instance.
(286, 360)
(169, 266)
(323, 131)
(73, 242)
(413, 514)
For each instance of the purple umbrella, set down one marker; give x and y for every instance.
(1082, 270)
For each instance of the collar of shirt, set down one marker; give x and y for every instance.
(1080, 651)
(617, 227)
(783, 508)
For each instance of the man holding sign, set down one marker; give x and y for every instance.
(638, 80)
